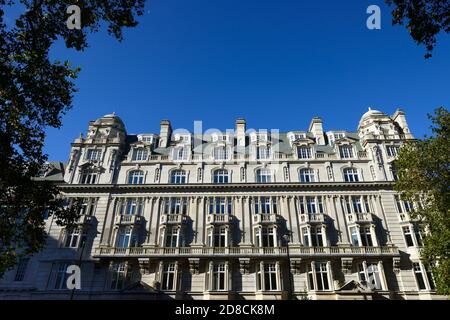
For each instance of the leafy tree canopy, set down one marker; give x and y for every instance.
(425, 19)
(424, 177)
(35, 93)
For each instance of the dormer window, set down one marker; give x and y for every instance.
(263, 153)
(186, 138)
(297, 136)
(94, 154)
(148, 139)
(259, 137)
(220, 138)
(180, 154)
(139, 154)
(221, 153)
(346, 152)
(304, 152)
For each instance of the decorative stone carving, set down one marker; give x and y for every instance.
(194, 264)
(144, 266)
(396, 264)
(295, 265)
(244, 265)
(346, 265)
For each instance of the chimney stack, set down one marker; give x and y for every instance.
(240, 132)
(400, 118)
(316, 128)
(164, 133)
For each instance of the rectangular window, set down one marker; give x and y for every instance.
(265, 205)
(418, 231)
(21, 269)
(262, 153)
(221, 153)
(419, 276)
(392, 151)
(72, 237)
(126, 238)
(408, 236)
(311, 204)
(304, 152)
(171, 237)
(316, 237)
(270, 277)
(168, 277)
(61, 276)
(175, 206)
(180, 154)
(87, 206)
(132, 206)
(220, 205)
(366, 236)
(370, 274)
(354, 236)
(218, 237)
(318, 277)
(346, 152)
(139, 154)
(219, 277)
(118, 276)
(94, 154)
(267, 236)
(305, 232)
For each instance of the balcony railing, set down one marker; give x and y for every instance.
(312, 218)
(127, 219)
(359, 217)
(297, 251)
(219, 218)
(265, 218)
(173, 218)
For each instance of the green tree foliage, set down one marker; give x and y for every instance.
(35, 93)
(424, 176)
(424, 19)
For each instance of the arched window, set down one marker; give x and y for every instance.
(221, 176)
(263, 176)
(307, 175)
(88, 176)
(178, 177)
(139, 154)
(136, 177)
(351, 175)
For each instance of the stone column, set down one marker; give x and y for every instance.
(108, 222)
(341, 221)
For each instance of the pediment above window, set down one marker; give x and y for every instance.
(345, 141)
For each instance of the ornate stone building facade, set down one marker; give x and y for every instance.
(241, 214)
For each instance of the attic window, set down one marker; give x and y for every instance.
(298, 136)
(147, 139)
(94, 154)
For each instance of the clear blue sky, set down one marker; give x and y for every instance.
(276, 63)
